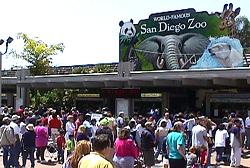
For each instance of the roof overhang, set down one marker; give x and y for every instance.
(239, 77)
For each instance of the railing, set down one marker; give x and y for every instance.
(64, 69)
(246, 62)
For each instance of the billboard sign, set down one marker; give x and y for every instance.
(182, 39)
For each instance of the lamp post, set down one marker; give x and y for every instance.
(8, 41)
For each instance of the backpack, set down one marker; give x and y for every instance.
(2, 134)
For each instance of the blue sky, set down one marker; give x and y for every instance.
(88, 28)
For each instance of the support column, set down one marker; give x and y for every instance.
(208, 105)
(165, 101)
(21, 94)
(125, 105)
(10, 99)
(124, 68)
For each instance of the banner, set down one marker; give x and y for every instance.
(182, 39)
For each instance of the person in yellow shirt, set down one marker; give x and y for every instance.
(101, 151)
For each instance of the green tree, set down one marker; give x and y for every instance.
(243, 30)
(38, 54)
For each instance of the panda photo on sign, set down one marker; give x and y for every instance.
(128, 39)
(127, 29)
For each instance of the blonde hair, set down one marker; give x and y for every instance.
(177, 126)
(192, 149)
(81, 129)
(124, 134)
(82, 148)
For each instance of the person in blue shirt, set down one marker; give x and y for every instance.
(176, 146)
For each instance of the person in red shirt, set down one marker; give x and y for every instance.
(54, 125)
(45, 119)
(20, 111)
(79, 121)
(60, 141)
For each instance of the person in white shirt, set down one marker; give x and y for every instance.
(189, 124)
(247, 127)
(166, 119)
(199, 134)
(220, 142)
(70, 127)
(17, 147)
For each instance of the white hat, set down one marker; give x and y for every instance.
(6, 119)
(30, 127)
(15, 117)
(121, 112)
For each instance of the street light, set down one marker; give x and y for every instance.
(8, 41)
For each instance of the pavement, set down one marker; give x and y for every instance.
(245, 161)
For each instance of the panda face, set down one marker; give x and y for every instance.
(127, 29)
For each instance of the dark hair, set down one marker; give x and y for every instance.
(237, 120)
(39, 121)
(54, 115)
(61, 131)
(100, 142)
(93, 121)
(71, 136)
(221, 127)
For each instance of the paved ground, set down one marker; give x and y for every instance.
(245, 162)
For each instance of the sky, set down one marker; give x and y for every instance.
(89, 29)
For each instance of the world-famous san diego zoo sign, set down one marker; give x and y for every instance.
(183, 39)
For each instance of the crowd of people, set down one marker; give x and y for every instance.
(83, 141)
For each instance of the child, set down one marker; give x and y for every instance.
(221, 136)
(70, 145)
(203, 155)
(60, 141)
(191, 158)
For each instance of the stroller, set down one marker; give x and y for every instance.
(52, 151)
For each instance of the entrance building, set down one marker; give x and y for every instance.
(214, 91)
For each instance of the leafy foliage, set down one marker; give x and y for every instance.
(38, 54)
(95, 69)
(54, 98)
(243, 30)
